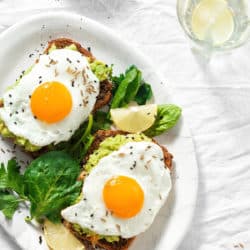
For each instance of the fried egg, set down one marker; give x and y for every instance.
(50, 102)
(124, 191)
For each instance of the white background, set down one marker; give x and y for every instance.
(215, 98)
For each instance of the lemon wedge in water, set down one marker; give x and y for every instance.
(213, 21)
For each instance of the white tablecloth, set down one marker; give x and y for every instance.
(216, 102)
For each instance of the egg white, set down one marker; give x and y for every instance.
(17, 114)
(150, 172)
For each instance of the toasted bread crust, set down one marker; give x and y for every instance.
(90, 244)
(61, 43)
(122, 244)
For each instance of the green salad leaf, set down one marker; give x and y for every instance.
(167, 117)
(144, 93)
(79, 143)
(10, 178)
(120, 94)
(8, 204)
(130, 87)
(50, 184)
(101, 121)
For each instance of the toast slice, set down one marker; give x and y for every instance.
(92, 243)
(102, 99)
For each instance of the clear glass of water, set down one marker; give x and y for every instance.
(215, 25)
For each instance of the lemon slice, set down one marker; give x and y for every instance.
(58, 237)
(134, 119)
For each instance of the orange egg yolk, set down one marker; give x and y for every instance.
(123, 196)
(51, 102)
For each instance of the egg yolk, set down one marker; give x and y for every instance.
(123, 196)
(51, 102)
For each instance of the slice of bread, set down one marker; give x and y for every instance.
(92, 243)
(102, 99)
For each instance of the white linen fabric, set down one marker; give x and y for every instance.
(215, 97)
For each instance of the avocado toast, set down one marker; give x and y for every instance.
(101, 70)
(90, 239)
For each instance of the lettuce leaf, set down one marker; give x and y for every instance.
(8, 204)
(50, 184)
(167, 116)
(130, 87)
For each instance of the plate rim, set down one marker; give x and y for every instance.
(137, 53)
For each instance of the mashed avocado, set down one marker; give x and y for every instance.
(4, 131)
(90, 233)
(107, 147)
(101, 70)
(111, 144)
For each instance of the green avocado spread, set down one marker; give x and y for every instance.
(112, 144)
(100, 69)
(105, 148)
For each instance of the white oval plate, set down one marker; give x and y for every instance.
(21, 45)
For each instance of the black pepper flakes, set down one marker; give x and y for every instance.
(78, 61)
(75, 214)
(89, 49)
(35, 117)
(131, 153)
(84, 199)
(29, 96)
(40, 240)
(23, 110)
(131, 147)
(92, 215)
(16, 112)
(10, 95)
(73, 83)
(15, 123)
(68, 60)
(11, 103)
(92, 226)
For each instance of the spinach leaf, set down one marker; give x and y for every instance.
(101, 121)
(130, 87)
(50, 184)
(79, 143)
(11, 178)
(133, 87)
(8, 204)
(122, 88)
(144, 94)
(167, 117)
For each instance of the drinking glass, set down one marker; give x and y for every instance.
(215, 25)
